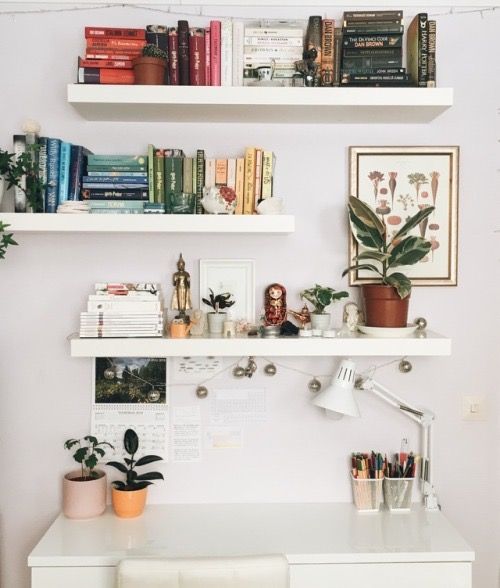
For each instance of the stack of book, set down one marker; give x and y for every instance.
(116, 183)
(109, 54)
(123, 310)
(372, 49)
(172, 173)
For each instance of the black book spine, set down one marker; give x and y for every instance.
(431, 60)
(374, 29)
(99, 194)
(373, 15)
(183, 52)
(372, 41)
(423, 43)
(200, 179)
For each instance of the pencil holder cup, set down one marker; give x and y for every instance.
(367, 493)
(397, 493)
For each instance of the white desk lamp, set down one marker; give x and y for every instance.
(338, 400)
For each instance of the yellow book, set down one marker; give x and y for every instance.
(249, 188)
(240, 185)
(258, 177)
(267, 174)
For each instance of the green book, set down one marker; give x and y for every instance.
(173, 180)
(159, 173)
(128, 160)
(187, 179)
(151, 172)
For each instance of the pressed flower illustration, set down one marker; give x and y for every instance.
(417, 179)
(392, 185)
(406, 201)
(376, 177)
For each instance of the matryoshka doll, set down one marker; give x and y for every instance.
(275, 305)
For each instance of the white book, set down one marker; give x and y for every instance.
(295, 52)
(274, 32)
(238, 34)
(274, 41)
(226, 63)
(102, 335)
(209, 173)
(107, 305)
(231, 173)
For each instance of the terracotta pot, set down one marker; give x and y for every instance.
(149, 71)
(84, 499)
(129, 503)
(384, 307)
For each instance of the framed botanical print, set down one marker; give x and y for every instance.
(397, 182)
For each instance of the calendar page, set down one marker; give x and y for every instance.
(131, 393)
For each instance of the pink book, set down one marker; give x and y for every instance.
(208, 80)
(215, 53)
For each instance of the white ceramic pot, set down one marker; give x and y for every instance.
(216, 322)
(272, 205)
(321, 321)
(84, 499)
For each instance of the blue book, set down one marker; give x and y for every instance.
(78, 156)
(115, 179)
(52, 192)
(64, 163)
(42, 168)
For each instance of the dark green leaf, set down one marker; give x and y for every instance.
(130, 441)
(129, 461)
(119, 466)
(362, 266)
(99, 451)
(409, 251)
(80, 454)
(139, 485)
(148, 459)
(400, 282)
(91, 461)
(151, 476)
(365, 235)
(91, 439)
(70, 443)
(118, 484)
(413, 222)
(376, 255)
(366, 215)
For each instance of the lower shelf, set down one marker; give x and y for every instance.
(421, 344)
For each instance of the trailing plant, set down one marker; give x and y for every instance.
(23, 172)
(220, 301)
(133, 480)
(400, 250)
(89, 451)
(5, 239)
(154, 51)
(321, 297)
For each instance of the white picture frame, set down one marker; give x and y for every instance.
(236, 276)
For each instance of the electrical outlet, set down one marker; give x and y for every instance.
(474, 408)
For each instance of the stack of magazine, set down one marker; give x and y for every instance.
(123, 310)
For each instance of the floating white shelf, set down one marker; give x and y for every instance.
(423, 344)
(250, 104)
(148, 223)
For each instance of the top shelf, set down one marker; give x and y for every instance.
(258, 104)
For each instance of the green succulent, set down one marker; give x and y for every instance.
(154, 51)
(402, 249)
(321, 297)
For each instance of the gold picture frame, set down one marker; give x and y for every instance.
(397, 182)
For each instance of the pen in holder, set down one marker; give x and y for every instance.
(367, 493)
(397, 494)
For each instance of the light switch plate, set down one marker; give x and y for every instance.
(474, 408)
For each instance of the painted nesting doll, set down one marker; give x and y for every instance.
(275, 305)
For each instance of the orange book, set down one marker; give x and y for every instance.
(240, 185)
(221, 172)
(94, 75)
(118, 44)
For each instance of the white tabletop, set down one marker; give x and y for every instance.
(305, 533)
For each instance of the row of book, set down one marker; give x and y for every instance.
(367, 49)
(123, 310)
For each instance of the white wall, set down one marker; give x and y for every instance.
(298, 455)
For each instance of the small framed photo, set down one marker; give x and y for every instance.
(236, 276)
(397, 182)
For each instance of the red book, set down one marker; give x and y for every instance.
(112, 32)
(109, 63)
(173, 56)
(116, 44)
(207, 58)
(215, 52)
(110, 55)
(94, 75)
(197, 57)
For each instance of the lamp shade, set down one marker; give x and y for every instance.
(338, 397)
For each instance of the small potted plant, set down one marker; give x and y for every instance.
(385, 301)
(149, 68)
(23, 172)
(84, 489)
(216, 318)
(129, 497)
(321, 297)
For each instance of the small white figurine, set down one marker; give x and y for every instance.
(352, 316)
(229, 329)
(198, 322)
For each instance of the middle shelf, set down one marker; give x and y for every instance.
(425, 343)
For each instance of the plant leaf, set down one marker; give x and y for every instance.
(131, 441)
(100, 451)
(91, 439)
(365, 235)
(413, 222)
(138, 485)
(409, 251)
(80, 454)
(118, 484)
(376, 255)
(361, 266)
(119, 466)
(91, 461)
(148, 459)
(70, 443)
(151, 476)
(400, 282)
(366, 215)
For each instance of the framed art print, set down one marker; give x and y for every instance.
(236, 276)
(397, 182)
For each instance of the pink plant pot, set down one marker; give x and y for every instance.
(84, 499)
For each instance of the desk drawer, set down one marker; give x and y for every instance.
(73, 577)
(409, 575)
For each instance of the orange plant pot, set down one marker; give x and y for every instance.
(129, 503)
(149, 71)
(384, 307)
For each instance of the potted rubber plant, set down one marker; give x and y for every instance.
(149, 68)
(385, 301)
(129, 497)
(321, 297)
(215, 317)
(84, 489)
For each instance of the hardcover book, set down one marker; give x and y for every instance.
(183, 52)
(431, 62)
(110, 32)
(173, 53)
(115, 43)
(417, 48)
(200, 179)
(42, 167)
(327, 52)
(226, 52)
(64, 163)
(94, 75)
(240, 185)
(197, 57)
(372, 41)
(78, 158)
(52, 192)
(249, 185)
(215, 52)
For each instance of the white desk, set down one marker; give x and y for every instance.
(328, 545)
